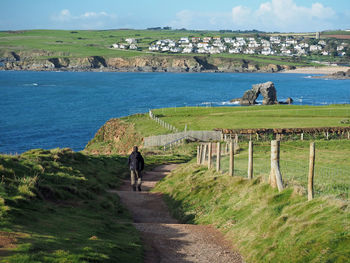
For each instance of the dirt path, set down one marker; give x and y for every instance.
(165, 239)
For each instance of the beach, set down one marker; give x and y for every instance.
(316, 70)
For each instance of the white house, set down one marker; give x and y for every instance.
(322, 43)
(130, 40)
(301, 52)
(265, 43)
(214, 50)
(291, 42)
(275, 39)
(175, 50)
(236, 50)
(184, 40)
(187, 50)
(133, 47)
(206, 39)
(202, 45)
(115, 46)
(267, 51)
(315, 48)
(202, 51)
(196, 39)
(249, 51)
(325, 53)
(253, 44)
(165, 48)
(154, 48)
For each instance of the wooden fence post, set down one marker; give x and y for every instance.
(218, 157)
(232, 165)
(302, 136)
(198, 154)
(310, 186)
(250, 161)
(209, 155)
(348, 135)
(204, 153)
(275, 173)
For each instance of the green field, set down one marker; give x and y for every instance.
(274, 116)
(43, 44)
(332, 156)
(332, 174)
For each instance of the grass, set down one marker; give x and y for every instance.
(54, 206)
(274, 116)
(144, 125)
(265, 226)
(84, 43)
(56, 209)
(331, 165)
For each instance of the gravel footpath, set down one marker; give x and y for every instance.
(164, 238)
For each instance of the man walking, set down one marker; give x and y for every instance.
(136, 165)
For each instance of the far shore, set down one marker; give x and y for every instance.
(316, 70)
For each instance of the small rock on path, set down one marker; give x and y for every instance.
(165, 239)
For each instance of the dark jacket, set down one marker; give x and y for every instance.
(136, 161)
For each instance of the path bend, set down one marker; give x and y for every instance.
(165, 239)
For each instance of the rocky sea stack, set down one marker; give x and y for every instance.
(267, 90)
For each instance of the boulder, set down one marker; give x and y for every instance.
(267, 90)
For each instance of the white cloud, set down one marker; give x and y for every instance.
(241, 15)
(272, 15)
(286, 15)
(87, 20)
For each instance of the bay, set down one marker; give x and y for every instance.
(65, 109)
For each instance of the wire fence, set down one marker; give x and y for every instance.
(331, 170)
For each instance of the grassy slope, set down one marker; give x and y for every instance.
(275, 116)
(55, 208)
(83, 43)
(267, 226)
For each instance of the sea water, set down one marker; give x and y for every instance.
(65, 109)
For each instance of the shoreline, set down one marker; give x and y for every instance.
(327, 70)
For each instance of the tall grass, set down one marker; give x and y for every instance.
(265, 226)
(55, 208)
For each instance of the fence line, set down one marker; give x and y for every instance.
(281, 171)
(162, 123)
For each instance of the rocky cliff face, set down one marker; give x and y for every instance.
(151, 63)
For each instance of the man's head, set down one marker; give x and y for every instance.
(135, 149)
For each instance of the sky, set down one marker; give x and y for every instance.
(265, 15)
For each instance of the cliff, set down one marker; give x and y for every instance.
(114, 137)
(147, 63)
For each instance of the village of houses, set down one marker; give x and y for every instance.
(274, 45)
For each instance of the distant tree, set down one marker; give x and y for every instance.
(334, 53)
(347, 52)
(313, 41)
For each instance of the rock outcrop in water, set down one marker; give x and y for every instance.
(267, 90)
(336, 75)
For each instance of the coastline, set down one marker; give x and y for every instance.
(316, 70)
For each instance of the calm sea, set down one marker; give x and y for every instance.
(65, 109)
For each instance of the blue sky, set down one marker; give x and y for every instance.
(267, 15)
